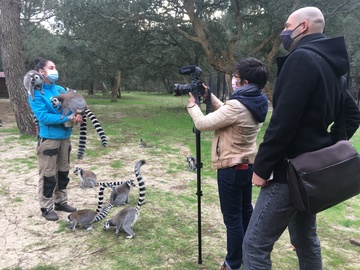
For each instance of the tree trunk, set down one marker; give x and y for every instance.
(91, 88)
(116, 86)
(13, 63)
(104, 88)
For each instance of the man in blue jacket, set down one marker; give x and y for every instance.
(306, 102)
(54, 146)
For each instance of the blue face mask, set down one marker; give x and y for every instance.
(52, 75)
(286, 38)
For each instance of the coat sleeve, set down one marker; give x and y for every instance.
(215, 102)
(352, 119)
(222, 117)
(290, 98)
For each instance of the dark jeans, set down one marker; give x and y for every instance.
(274, 212)
(235, 190)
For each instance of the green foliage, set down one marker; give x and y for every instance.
(149, 40)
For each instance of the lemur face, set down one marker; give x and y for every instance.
(106, 225)
(77, 170)
(131, 182)
(36, 79)
(55, 102)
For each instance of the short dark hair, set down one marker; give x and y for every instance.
(252, 70)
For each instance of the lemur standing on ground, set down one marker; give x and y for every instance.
(128, 216)
(120, 193)
(88, 178)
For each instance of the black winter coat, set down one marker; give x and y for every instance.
(306, 102)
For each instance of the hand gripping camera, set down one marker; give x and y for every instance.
(195, 87)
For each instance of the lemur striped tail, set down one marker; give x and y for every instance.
(37, 126)
(104, 185)
(82, 138)
(83, 132)
(141, 184)
(103, 213)
(97, 127)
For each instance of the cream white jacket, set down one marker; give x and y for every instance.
(235, 132)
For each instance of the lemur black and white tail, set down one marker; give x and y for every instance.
(97, 127)
(82, 138)
(37, 126)
(103, 213)
(102, 187)
(83, 132)
(141, 184)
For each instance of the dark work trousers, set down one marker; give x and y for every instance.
(54, 165)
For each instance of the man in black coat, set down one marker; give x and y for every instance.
(306, 101)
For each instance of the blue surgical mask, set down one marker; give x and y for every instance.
(286, 38)
(52, 75)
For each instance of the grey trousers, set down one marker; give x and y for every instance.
(274, 212)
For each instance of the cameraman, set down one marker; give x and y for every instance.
(236, 124)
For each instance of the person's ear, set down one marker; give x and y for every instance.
(244, 82)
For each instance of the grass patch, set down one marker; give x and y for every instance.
(166, 233)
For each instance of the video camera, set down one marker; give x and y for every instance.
(195, 87)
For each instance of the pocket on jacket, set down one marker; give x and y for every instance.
(218, 148)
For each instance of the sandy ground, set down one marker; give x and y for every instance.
(26, 239)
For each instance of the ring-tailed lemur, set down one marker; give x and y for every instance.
(86, 217)
(127, 217)
(82, 132)
(120, 193)
(104, 185)
(33, 80)
(83, 129)
(69, 101)
(88, 178)
(142, 143)
(191, 163)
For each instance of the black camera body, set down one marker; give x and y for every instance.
(195, 87)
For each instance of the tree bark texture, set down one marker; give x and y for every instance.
(116, 87)
(13, 63)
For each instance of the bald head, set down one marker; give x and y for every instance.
(302, 22)
(313, 16)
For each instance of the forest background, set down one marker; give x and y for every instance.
(118, 45)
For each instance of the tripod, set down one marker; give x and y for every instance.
(198, 171)
(198, 191)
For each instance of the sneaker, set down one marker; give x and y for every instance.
(64, 207)
(52, 216)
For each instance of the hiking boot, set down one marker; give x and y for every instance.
(50, 215)
(64, 207)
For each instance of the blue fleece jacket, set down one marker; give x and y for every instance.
(50, 123)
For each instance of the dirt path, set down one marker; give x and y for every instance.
(26, 239)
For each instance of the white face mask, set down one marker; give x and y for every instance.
(52, 75)
(234, 82)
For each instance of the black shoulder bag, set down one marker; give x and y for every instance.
(321, 179)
